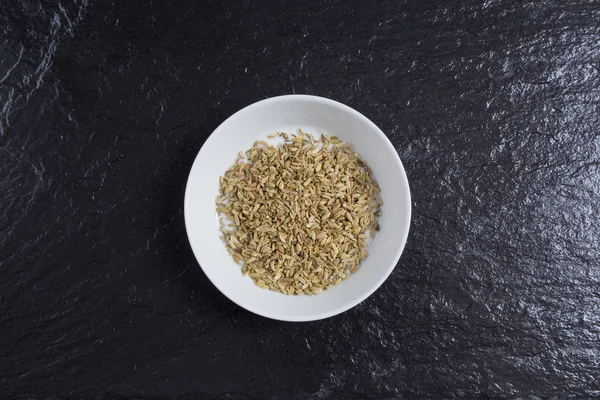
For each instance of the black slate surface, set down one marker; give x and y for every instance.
(492, 105)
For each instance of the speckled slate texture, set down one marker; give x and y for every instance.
(493, 107)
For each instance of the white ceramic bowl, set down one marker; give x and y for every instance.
(313, 115)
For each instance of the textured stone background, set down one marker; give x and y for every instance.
(492, 105)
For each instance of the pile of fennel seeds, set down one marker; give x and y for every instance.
(298, 213)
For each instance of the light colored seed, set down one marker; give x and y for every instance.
(298, 215)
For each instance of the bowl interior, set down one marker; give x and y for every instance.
(313, 115)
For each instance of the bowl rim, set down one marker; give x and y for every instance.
(355, 301)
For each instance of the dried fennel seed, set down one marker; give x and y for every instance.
(299, 213)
